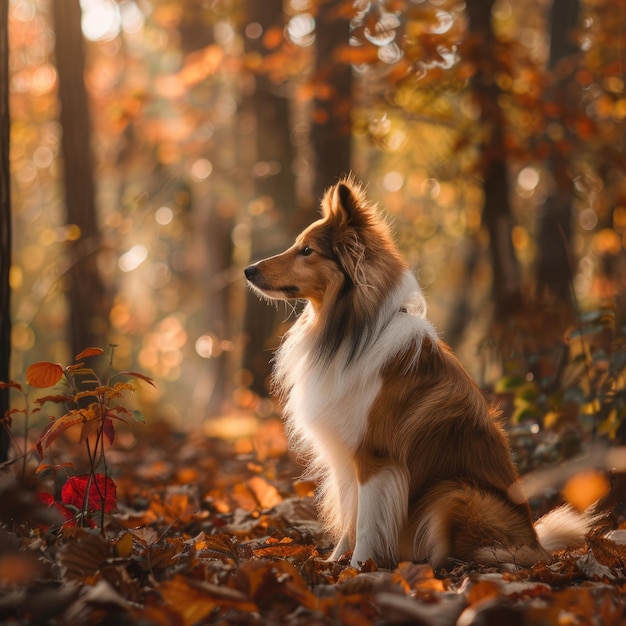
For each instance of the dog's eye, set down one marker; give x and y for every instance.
(306, 251)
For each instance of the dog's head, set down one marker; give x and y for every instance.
(342, 250)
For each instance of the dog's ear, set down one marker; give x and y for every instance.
(346, 205)
(344, 200)
(346, 208)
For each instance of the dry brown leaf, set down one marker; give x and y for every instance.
(419, 576)
(83, 553)
(608, 552)
(190, 604)
(274, 583)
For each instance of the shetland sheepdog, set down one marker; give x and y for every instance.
(412, 462)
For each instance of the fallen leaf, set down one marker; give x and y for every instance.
(194, 600)
(83, 553)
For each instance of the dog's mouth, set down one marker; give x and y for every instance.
(290, 291)
(258, 282)
(277, 293)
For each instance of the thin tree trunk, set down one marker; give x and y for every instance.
(274, 189)
(497, 215)
(332, 129)
(554, 274)
(5, 226)
(88, 322)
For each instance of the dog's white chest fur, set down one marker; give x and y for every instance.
(328, 402)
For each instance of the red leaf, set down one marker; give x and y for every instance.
(108, 430)
(102, 492)
(43, 374)
(68, 514)
(87, 352)
(46, 498)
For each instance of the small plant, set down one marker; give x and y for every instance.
(584, 385)
(92, 402)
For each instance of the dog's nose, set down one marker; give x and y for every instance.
(251, 272)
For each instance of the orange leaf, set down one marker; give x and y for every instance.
(55, 398)
(195, 600)
(43, 374)
(87, 352)
(141, 376)
(42, 467)
(11, 384)
(56, 428)
(267, 495)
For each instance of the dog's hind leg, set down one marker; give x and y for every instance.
(462, 521)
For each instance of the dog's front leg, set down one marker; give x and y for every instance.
(341, 547)
(383, 496)
(339, 503)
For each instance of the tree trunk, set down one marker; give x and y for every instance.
(497, 215)
(5, 226)
(332, 129)
(554, 273)
(88, 322)
(274, 190)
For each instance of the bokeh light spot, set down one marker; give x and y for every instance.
(133, 258)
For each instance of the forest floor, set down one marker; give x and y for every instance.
(213, 527)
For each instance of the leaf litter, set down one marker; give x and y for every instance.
(219, 530)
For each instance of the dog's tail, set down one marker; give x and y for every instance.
(566, 527)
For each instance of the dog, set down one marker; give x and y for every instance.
(412, 462)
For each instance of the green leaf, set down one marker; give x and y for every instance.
(525, 412)
(509, 383)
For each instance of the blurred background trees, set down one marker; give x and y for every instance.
(88, 314)
(205, 131)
